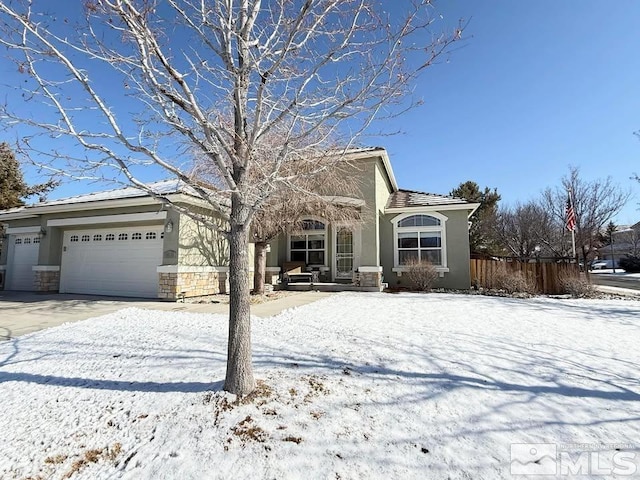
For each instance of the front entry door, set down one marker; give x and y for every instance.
(344, 253)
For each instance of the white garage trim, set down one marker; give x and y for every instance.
(46, 268)
(20, 230)
(129, 217)
(190, 269)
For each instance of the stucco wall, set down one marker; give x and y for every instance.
(457, 235)
(199, 245)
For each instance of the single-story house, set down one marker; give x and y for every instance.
(626, 242)
(123, 242)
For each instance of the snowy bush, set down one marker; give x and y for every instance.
(421, 275)
(576, 286)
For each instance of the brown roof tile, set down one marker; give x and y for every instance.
(410, 198)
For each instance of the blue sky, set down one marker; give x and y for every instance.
(535, 87)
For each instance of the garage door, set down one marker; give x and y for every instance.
(112, 261)
(23, 255)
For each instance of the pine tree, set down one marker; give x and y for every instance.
(13, 188)
(481, 234)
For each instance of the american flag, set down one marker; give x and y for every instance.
(571, 214)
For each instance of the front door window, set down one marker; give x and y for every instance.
(344, 253)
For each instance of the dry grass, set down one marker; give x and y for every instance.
(92, 456)
(57, 459)
(576, 285)
(512, 282)
(248, 431)
(296, 440)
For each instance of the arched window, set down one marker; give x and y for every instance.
(419, 237)
(309, 244)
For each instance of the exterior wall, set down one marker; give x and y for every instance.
(457, 232)
(375, 191)
(46, 280)
(199, 245)
(190, 282)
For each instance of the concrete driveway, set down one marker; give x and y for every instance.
(26, 312)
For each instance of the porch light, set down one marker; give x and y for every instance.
(43, 232)
(168, 227)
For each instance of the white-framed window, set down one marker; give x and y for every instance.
(97, 237)
(309, 245)
(136, 236)
(419, 236)
(150, 236)
(86, 238)
(109, 237)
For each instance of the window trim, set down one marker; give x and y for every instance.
(324, 232)
(442, 229)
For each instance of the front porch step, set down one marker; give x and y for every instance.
(329, 287)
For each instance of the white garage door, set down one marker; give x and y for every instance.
(23, 255)
(112, 261)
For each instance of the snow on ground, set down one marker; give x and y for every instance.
(353, 386)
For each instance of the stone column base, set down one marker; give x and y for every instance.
(176, 282)
(46, 278)
(370, 277)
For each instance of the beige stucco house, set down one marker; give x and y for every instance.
(124, 243)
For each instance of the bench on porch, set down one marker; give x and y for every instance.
(292, 272)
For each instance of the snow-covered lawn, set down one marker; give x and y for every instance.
(353, 386)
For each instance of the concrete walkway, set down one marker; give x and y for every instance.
(25, 312)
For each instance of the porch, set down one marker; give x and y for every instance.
(328, 287)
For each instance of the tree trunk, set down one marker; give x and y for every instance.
(239, 379)
(259, 267)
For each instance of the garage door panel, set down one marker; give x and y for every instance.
(112, 261)
(23, 255)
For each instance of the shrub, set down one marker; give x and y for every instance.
(630, 263)
(575, 285)
(421, 275)
(511, 281)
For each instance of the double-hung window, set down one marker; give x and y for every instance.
(419, 237)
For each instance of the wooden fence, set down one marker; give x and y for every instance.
(545, 275)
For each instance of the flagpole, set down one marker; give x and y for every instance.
(573, 229)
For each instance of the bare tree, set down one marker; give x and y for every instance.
(595, 203)
(521, 228)
(286, 211)
(143, 82)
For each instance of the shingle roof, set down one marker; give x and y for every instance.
(410, 198)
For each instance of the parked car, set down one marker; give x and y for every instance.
(601, 264)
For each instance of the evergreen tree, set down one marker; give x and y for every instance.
(13, 188)
(481, 234)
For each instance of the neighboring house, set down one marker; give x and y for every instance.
(122, 242)
(626, 241)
